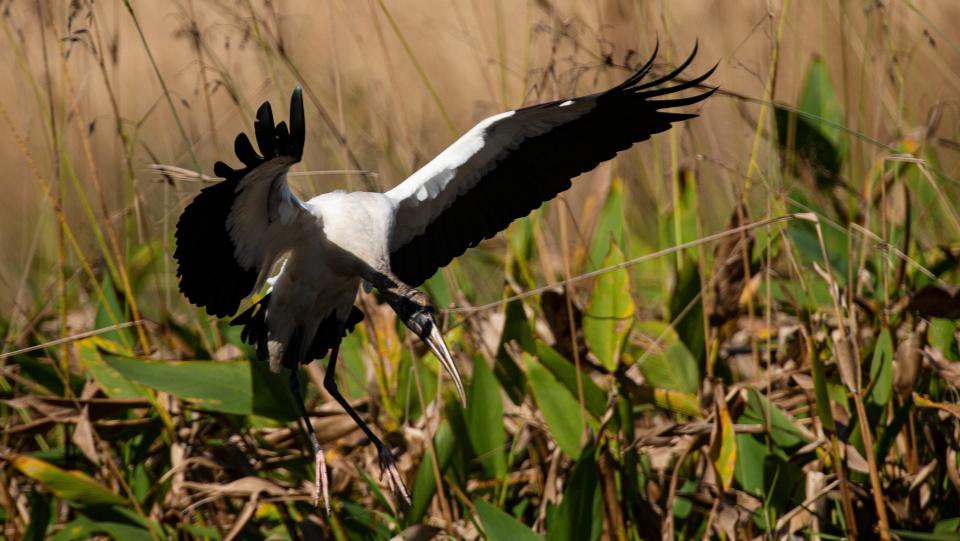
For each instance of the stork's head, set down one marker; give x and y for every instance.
(416, 311)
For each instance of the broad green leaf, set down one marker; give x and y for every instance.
(821, 391)
(609, 226)
(516, 327)
(947, 525)
(352, 369)
(881, 369)
(559, 408)
(374, 489)
(783, 428)
(805, 240)
(751, 453)
(121, 523)
(111, 382)
(485, 420)
(239, 387)
(40, 514)
(425, 483)
(812, 133)
(609, 316)
(521, 238)
(579, 516)
(73, 486)
(940, 336)
(723, 448)
(80, 529)
(686, 309)
(406, 395)
(564, 370)
(361, 522)
(499, 526)
(439, 291)
(673, 368)
(43, 373)
(110, 312)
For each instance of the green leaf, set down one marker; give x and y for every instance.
(671, 365)
(609, 226)
(73, 486)
(499, 526)
(813, 133)
(112, 382)
(564, 370)
(438, 290)
(609, 316)
(521, 236)
(881, 369)
(751, 453)
(579, 516)
(821, 391)
(239, 387)
(516, 327)
(425, 483)
(80, 529)
(352, 369)
(408, 400)
(783, 430)
(560, 409)
(40, 514)
(121, 523)
(689, 326)
(940, 336)
(485, 420)
(109, 312)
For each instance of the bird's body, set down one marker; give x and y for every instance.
(234, 232)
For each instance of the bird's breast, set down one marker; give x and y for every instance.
(359, 223)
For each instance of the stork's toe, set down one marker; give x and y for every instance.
(388, 468)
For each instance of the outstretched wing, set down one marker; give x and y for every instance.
(510, 163)
(229, 236)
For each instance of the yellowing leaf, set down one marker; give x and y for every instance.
(74, 486)
(723, 448)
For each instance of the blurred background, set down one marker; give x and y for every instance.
(714, 390)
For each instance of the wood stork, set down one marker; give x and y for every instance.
(231, 235)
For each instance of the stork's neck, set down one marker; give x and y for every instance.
(389, 285)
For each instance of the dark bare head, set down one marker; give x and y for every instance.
(415, 309)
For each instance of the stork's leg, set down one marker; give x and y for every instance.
(320, 479)
(387, 464)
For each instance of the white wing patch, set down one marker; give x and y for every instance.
(456, 170)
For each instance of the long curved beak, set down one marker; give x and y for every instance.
(439, 348)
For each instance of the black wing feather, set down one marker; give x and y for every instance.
(623, 116)
(209, 273)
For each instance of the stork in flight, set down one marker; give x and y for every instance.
(231, 235)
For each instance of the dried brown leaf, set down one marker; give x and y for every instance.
(83, 436)
(906, 365)
(846, 362)
(949, 371)
(729, 277)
